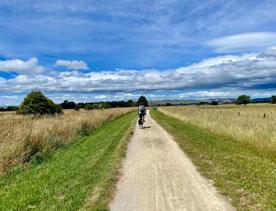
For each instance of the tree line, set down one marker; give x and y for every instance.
(36, 103)
(243, 100)
(103, 105)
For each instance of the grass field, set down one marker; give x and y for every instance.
(79, 176)
(239, 171)
(254, 125)
(23, 137)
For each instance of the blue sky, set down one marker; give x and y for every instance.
(108, 50)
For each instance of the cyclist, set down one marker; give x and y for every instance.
(141, 113)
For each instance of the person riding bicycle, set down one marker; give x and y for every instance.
(141, 113)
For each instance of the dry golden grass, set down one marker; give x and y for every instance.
(22, 136)
(253, 124)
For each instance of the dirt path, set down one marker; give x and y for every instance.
(157, 175)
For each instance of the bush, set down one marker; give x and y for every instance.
(77, 108)
(104, 105)
(88, 107)
(37, 104)
(85, 129)
(95, 106)
(214, 103)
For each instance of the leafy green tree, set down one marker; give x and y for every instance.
(142, 100)
(273, 99)
(130, 103)
(9, 108)
(68, 105)
(243, 99)
(35, 103)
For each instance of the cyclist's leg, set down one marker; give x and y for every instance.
(140, 120)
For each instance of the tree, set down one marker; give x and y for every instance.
(35, 103)
(214, 103)
(273, 99)
(130, 103)
(9, 108)
(68, 105)
(243, 99)
(142, 100)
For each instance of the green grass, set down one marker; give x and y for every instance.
(238, 171)
(81, 176)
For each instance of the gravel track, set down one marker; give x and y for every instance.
(157, 175)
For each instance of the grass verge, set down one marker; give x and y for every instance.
(81, 176)
(238, 171)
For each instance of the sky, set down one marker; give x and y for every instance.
(99, 50)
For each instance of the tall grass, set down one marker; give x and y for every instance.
(22, 137)
(81, 176)
(253, 124)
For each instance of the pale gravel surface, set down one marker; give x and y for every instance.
(158, 176)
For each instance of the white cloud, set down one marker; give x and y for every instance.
(215, 76)
(269, 53)
(72, 64)
(223, 93)
(243, 42)
(30, 66)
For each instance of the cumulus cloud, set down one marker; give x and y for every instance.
(72, 64)
(220, 76)
(30, 66)
(243, 42)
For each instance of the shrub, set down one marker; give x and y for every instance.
(104, 105)
(88, 107)
(37, 104)
(85, 129)
(95, 106)
(77, 108)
